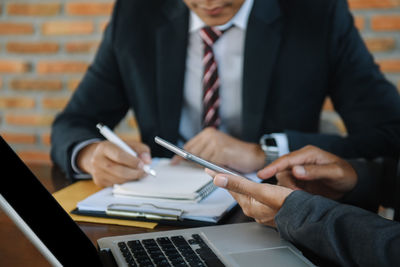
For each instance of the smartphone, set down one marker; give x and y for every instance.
(186, 155)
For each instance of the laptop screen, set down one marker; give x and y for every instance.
(42, 213)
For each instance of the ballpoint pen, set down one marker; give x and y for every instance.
(113, 138)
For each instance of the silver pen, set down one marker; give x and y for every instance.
(113, 138)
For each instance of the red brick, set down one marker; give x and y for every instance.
(29, 119)
(55, 103)
(19, 138)
(17, 102)
(89, 8)
(36, 84)
(81, 47)
(385, 23)
(67, 27)
(389, 65)
(14, 66)
(32, 47)
(380, 44)
(16, 28)
(73, 84)
(44, 67)
(33, 9)
(369, 4)
(359, 22)
(34, 156)
(46, 139)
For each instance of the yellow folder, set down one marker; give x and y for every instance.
(69, 196)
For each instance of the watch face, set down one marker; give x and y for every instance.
(270, 142)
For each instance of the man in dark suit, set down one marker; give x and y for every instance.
(343, 234)
(277, 61)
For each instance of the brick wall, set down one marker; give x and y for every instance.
(46, 46)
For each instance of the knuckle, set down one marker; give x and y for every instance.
(119, 155)
(246, 212)
(309, 147)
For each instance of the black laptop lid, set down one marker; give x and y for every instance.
(47, 219)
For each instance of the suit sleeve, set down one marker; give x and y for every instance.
(346, 235)
(376, 184)
(368, 104)
(100, 97)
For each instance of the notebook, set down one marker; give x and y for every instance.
(36, 212)
(185, 182)
(208, 211)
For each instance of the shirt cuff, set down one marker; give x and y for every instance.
(282, 143)
(78, 173)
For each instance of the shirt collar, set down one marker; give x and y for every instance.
(239, 20)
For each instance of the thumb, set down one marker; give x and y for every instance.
(270, 195)
(316, 172)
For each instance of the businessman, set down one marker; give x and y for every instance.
(259, 74)
(344, 234)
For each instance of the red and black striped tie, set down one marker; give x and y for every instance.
(211, 100)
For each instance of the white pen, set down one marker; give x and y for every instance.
(113, 138)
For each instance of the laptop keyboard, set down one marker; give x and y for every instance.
(169, 251)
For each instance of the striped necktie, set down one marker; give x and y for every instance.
(211, 100)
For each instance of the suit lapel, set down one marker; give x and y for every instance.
(261, 48)
(171, 45)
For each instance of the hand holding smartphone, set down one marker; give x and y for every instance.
(186, 155)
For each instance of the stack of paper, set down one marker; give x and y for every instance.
(183, 182)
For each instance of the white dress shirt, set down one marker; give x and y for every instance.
(229, 54)
(228, 51)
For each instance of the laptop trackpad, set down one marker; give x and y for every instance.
(268, 257)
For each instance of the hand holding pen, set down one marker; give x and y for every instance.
(108, 164)
(113, 138)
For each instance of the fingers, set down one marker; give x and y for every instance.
(108, 173)
(201, 145)
(306, 155)
(252, 208)
(270, 195)
(142, 150)
(116, 154)
(317, 172)
(175, 160)
(286, 179)
(108, 164)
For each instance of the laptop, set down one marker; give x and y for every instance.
(36, 212)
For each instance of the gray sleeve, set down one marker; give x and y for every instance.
(78, 173)
(345, 234)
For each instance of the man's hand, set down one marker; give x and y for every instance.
(259, 201)
(313, 170)
(222, 149)
(108, 164)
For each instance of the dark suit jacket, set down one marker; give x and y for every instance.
(338, 233)
(296, 54)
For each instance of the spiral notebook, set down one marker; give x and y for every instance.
(185, 182)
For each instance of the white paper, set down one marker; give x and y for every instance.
(179, 182)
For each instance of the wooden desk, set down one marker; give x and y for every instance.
(16, 250)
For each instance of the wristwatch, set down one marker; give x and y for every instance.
(270, 148)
